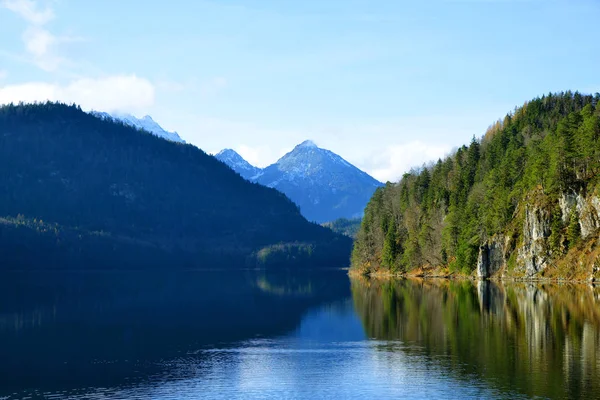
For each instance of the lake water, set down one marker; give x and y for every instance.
(307, 335)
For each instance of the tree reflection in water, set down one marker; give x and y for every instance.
(541, 340)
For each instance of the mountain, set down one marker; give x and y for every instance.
(146, 124)
(324, 185)
(77, 191)
(521, 202)
(238, 164)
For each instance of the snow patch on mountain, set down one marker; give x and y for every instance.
(322, 183)
(146, 124)
(307, 144)
(238, 164)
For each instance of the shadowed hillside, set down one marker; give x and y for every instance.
(75, 188)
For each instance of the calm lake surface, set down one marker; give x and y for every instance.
(307, 335)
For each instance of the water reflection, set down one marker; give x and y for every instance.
(293, 335)
(79, 330)
(540, 340)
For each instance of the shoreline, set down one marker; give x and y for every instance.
(437, 274)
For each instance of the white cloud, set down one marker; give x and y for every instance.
(260, 156)
(42, 46)
(29, 10)
(395, 160)
(114, 93)
(254, 155)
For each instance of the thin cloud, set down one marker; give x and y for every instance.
(127, 93)
(394, 161)
(29, 10)
(41, 45)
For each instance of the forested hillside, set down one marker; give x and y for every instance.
(76, 189)
(521, 201)
(345, 226)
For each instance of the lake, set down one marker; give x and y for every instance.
(306, 335)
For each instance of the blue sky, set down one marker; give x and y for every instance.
(387, 84)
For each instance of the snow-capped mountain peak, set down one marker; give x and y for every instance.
(322, 183)
(307, 144)
(237, 163)
(146, 123)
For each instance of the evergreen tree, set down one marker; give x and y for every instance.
(444, 212)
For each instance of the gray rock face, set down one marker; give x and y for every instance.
(533, 256)
(595, 202)
(533, 251)
(589, 217)
(588, 210)
(491, 257)
(567, 202)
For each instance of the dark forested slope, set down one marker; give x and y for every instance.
(76, 188)
(522, 201)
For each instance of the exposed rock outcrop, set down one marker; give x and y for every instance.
(587, 208)
(534, 252)
(533, 255)
(567, 202)
(491, 257)
(589, 215)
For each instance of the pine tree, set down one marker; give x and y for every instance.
(388, 255)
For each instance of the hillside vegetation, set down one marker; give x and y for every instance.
(520, 201)
(79, 190)
(344, 226)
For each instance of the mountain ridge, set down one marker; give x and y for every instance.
(237, 163)
(81, 191)
(145, 123)
(325, 186)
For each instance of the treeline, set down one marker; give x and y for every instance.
(344, 226)
(104, 185)
(440, 214)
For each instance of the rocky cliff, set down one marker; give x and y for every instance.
(543, 243)
(522, 201)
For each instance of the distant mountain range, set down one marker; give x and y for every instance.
(324, 185)
(146, 123)
(83, 191)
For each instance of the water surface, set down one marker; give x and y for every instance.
(251, 334)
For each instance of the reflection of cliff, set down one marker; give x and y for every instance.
(89, 327)
(539, 340)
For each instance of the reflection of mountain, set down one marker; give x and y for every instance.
(88, 329)
(539, 340)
